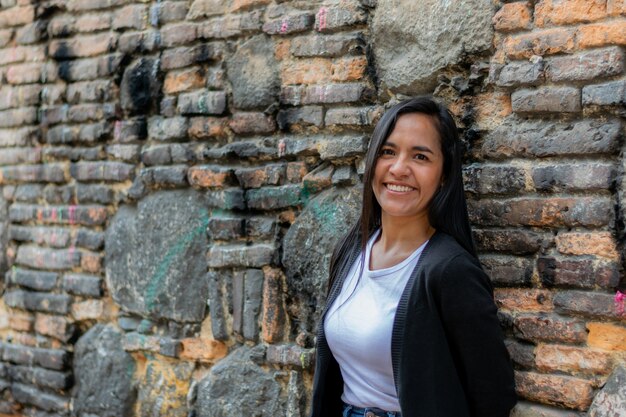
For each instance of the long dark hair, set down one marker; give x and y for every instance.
(447, 211)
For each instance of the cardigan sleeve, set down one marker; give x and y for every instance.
(475, 338)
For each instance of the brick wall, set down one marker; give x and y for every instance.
(174, 174)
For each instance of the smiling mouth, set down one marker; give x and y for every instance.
(399, 188)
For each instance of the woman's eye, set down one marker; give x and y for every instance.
(421, 157)
(386, 152)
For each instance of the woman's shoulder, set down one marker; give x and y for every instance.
(444, 249)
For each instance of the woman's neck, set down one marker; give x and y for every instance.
(403, 234)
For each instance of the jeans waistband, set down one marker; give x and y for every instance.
(350, 410)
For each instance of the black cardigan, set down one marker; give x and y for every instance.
(447, 348)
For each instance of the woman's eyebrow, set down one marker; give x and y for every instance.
(414, 148)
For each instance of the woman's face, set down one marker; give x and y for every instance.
(409, 167)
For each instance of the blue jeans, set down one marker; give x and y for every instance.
(352, 411)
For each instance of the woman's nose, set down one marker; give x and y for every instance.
(399, 167)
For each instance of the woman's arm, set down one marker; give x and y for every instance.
(469, 317)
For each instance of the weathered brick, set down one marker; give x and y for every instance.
(517, 73)
(27, 73)
(521, 353)
(30, 33)
(88, 310)
(129, 153)
(209, 176)
(88, 133)
(207, 128)
(232, 25)
(246, 299)
(25, 192)
(225, 228)
(260, 227)
(17, 16)
(83, 46)
(291, 23)
(546, 100)
(349, 69)
(252, 122)
(555, 12)
(25, 394)
(37, 301)
(582, 273)
(20, 155)
(81, 284)
(608, 94)
(573, 177)
(54, 359)
(319, 178)
(133, 16)
(352, 116)
(21, 321)
(514, 241)
(543, 139)
(227, 199)
(184, 80)
(549, 328)
(26, 136)
(33, 173)
(89, 68)
(27, 95)
(137, 342)
(584, 66)
(45, 258)
(607, 336)
(542, 212)
(273, 310)
(90, 239)
(272, 198)
(329, 19)
(556, 390)
(93, 193)
(201, 102)
(327, 45)
(54, 326)
(188, 55)
(18, 117)
(245, 4)
(139, 42)
(506, 270)
(102, 171)
(178, 34)
(306, 71)
(290, 355)
(90, 91)
(168, 11)
(571, 359)
(300, 117)
(40, 377)
(326, 93)
(539, 42)
(175, 175)
(494, 179)
(253, 256)
(600, 34)
(273, 174)
(512, 17)
(36, 280)
(522, 299)
(203, 350)
(90, 215)
(585, 303)
(164, 129)
(602, 244)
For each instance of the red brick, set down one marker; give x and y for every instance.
(306, 71)
(349, 69)
(185, 80)
(93, 22)
(521, 299)
(21, 54)
(600, 34)
(601, 244)
(251, 122)
(571, 359)
(207, 128)
(607, 336)
(17, 16)
(562, 391)
(581, 273)
(209, 176)
(515, 241)
(588, 303)
(491, 108)
(542, 42)
(203, 350)
(513, 16)
(273, 317)
(133, 16)
(54, 326)
(549, 328)
(564, 12)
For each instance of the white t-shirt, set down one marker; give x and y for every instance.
(358, 329)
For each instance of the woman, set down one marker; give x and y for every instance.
(410, 326)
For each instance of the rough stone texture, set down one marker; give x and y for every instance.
(433, 33)
(104, 374)
(155, 265)
(308, 247)
(221, 393)
(253, 72)
(164, 387)
(140, 87)
(4, 235)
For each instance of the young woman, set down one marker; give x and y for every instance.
(410, 326)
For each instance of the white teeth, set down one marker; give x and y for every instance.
(400, 188)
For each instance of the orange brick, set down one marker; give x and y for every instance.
(207, 128)
(513, 16)
(564, 12)
(524, 299)
(491, 108)
(349, 69)
(203, 350)
(562, 358)
(281, 50)
(543, 42)
(273, 314)
(616, 7)
(189, 79)
(21, 321)
(55, 326)
(245, 4)
(556, 390)
(587, 243)
(309, 71)
(296, 171)
(607, 336)
(208, 176)
(599, 34)
(88, 309)
(91, 262)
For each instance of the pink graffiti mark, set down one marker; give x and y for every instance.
(321, 18)
(620, 299)
(117, 130)
(284, 26)
(53, 215)
(71, 252)
(281, 148)
(72, 213)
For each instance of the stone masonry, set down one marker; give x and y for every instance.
(175, 173)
